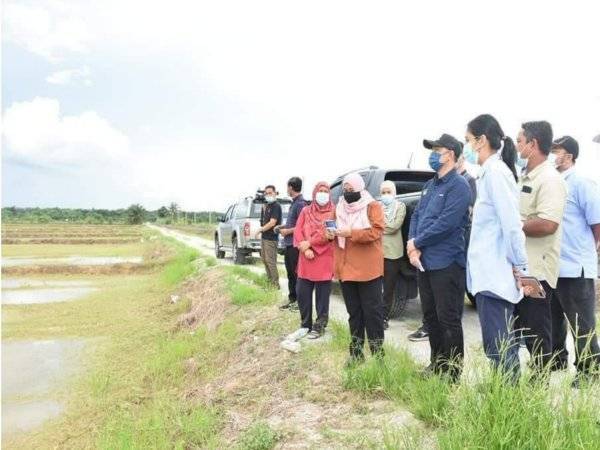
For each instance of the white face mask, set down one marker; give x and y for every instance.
(322, 198)
(269, 198)
(386, 199)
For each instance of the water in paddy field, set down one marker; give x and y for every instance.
(72, 261)
(52, 295)
(31, 372)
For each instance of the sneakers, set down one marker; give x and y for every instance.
(419, 335)
(314, 334)
(297, 335)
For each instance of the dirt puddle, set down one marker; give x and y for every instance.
(31, 373)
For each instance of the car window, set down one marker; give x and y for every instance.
(241, 210)
(407, 181)
(228, 213)
(257, 206)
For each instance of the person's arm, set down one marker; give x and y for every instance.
(550, 208)
(377, 220)
(299, 230)
(589, 199)
(396, 224)
(451, 216)
(506, 204)
(414, 221)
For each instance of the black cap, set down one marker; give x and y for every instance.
(569, 144)
(447, 141)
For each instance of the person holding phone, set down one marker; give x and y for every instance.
(315, 263)
(497, 246)
(393, 247)
(542, 204)
(358, 265)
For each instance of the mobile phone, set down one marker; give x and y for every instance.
(538, 289)
(330, 225)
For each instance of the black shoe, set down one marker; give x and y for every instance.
(429, 371)
(583, 379)
(292, 305)
(419, 335)
(386, 324)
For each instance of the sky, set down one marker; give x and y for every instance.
(110, 103)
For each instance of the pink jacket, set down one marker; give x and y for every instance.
(320, 268)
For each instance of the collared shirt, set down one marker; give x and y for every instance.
(497, 239)
(439, 220)
(393, 246)
(543, 195)
(270, 211)
(298, 204)
(578, 248)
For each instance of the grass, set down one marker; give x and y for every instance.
(260, 436)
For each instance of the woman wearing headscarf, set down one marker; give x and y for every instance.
(393, 247)
(358, 264)
(315, 264)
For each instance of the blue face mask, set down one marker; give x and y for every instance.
(470, 155)
(434, 161)
(387, 199)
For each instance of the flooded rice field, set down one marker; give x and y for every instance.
(41, 352)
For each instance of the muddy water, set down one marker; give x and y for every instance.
(52, 295)
(72, 261)
(31, 372)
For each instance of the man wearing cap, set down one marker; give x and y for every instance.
(541, 204)
(436, 247)
(575, 291)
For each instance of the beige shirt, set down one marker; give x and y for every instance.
(543, 195)
(393, 246)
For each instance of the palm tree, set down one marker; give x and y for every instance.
(173, 210)
(136, 214)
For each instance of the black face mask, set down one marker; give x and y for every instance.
(352, 197)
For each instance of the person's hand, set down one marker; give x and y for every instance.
(410, 246)
(309, 254)
(527, 290)
(329, 235)
(278, 229)
(303, 246)
(345, 232)
(415, 258)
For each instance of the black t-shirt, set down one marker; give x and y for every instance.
(270, 211)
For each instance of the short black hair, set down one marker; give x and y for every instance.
(541, 131)
(295, 183)
(272, 187)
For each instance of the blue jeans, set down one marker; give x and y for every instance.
(497, 328)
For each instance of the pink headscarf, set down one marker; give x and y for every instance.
(353, 215)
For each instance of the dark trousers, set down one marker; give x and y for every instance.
(574, 305)
(534, 317)
(291, 266)
(500, 342)
(442, 300)
(391, 275)
(322, 290)
(363, 303)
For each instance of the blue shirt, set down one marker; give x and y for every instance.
(298, 204)
(497, 239)
(439, 220)
(578, 248)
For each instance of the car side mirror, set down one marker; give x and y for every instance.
(221, 218)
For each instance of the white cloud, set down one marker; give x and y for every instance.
(37, 133)
(70, 75)
(49, 28)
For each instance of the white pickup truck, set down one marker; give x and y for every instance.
(238, 227)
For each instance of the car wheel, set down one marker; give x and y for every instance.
(220, 254)
(399, 303)
(238, 256)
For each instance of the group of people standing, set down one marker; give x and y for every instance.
(530, 217)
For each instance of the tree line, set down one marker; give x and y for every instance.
(134, 214)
